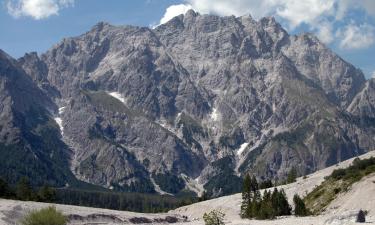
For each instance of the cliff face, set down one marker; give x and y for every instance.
(30, 142)
(203, 97)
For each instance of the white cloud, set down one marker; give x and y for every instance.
(219, 7)
(373, 74)
(37, 9)
(325, 32)
(367, 5)
(297, 12)
(355, 36)
(174, 10)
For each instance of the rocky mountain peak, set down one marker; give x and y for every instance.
(201, 96)
(100, 26)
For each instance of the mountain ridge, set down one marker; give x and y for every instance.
(191, 93)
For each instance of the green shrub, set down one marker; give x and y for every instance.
(46, 216)
(338, 182)
(300, 208)
(215, 217)
(338, 174)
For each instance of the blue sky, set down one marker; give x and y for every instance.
(346, 26)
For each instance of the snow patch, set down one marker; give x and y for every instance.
(170, 128)
(214, 115)
(117, 95)
(61, 110)
(59, 121)
(242, 148)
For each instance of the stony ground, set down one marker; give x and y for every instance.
(340, 211)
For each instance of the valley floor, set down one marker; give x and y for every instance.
(341, 211)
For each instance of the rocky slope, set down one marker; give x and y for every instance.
(30, 142)
(201, 100)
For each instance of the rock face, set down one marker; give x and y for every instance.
(30, 142)
(202, 97)
(364, 102)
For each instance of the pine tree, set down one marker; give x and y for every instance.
(246, 197)
(256, 198)
(24, 190)
(269, 206)
(47, 194)
(5, 190)
(284, 207)
(266, 184)
(266, 210)
(300, 208)
(292, 176)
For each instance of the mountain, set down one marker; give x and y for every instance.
(30, 143)
(198, 102)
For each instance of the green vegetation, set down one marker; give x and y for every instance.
(39, 148)
(225, 182)
(169, 182)
(138, 202)
(46, 216)
(5, 191)
(338, 182)
(300, 207)
(47, 194)
(24, 190)
(271, 205)
(215, 217)
(265, 184)
(292, 176)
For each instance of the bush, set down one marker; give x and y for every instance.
(214, 217)
(46, 216)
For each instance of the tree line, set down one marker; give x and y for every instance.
(25, 192)
(137, 202)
